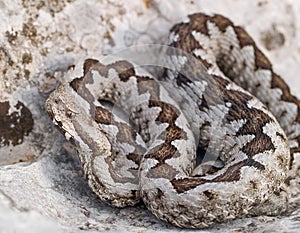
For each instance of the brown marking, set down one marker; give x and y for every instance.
(72, 141)
(209, 194)
(174, 133)
(102, 116)
(124, 69)
(221, 22)
(256, 164)
(60, 128)
(147, 84)
(114, 170)
(168, 113)
(256, 120)
(253, 184)
(75, 83)
(16, 125)
(128, 135)
(283, 137)
(88, 65)
(198, 22)
(238, 102)
(49, 111)
(125, 133)
(232, 174)
(261, 61)
(186, 184)
(259, 144)
(278, 82)
(182, 79)
(27, 158)
(136, 157)
(162, 152)
(243, 37)
(159, 194)
(187, 42)
(99, 186)
(163, 171)
(220, 82)
(203, 106)
(79, 84)
(296, 149)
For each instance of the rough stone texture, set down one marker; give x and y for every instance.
(42, 187)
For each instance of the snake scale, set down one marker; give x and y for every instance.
(193, 144)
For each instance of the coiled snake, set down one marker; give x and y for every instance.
(194, 146)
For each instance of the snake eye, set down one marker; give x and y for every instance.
(69, 113)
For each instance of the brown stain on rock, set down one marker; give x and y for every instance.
(14, 126)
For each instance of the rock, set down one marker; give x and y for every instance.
(43, 189)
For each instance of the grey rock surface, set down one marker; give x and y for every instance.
(42, 186)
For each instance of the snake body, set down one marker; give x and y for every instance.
(196, 146)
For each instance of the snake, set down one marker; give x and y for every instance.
(209, 139)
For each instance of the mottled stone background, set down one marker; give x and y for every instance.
(42, 187)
